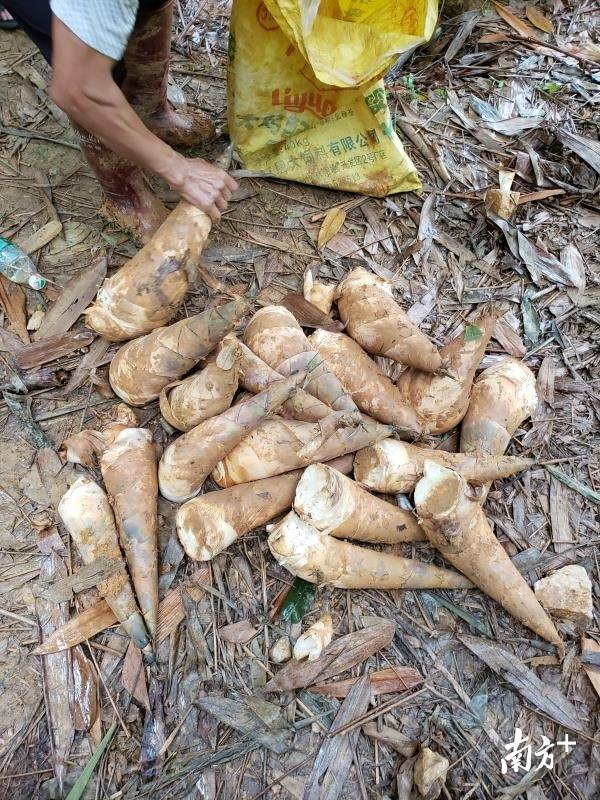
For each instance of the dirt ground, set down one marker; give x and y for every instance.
(478, 101)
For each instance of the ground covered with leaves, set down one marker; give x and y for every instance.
(499, 113)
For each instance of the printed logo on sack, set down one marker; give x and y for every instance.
(265, 18)
(299, 102)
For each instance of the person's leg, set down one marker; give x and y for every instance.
(147, 70)
(126, 198)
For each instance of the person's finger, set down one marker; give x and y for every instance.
(221, 203)
(214, 213)
(226, 194)
(231, 183)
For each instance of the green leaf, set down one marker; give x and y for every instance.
(472, 332)
(551, 87)
(473, 623)
(298, 601)
(441, 91)
(83, 780)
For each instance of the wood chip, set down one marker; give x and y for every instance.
(334, 759)
(98, 617)
(12, 300)
(46, 350)
(383, 681)
(590, 646)
(40, 238)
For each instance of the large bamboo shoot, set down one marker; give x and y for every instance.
(321, 559)
(145, 293)
(456, 525)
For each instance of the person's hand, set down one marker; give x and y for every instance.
(202, 184)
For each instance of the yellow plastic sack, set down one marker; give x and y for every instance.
(306, 102)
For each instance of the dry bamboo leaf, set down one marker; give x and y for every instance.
(590, 646)
(254, 717)
(334, 219)
(341, 655)
(307, 314)
(84, 691)
(515, 23)
(46, 350)
(133, 676)
(493, 38)
(383, 681)
(334, 759)
(41, 237)
(535, 16)
(544, 696)
(98, 617)
(238, 632)
(12, 300)
(75, 297)
(391, 738)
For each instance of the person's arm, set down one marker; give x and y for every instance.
(82, 85)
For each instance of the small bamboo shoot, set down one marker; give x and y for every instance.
(374, 320)
(188, 461)
(208, 524)
(458, 528)
(502, 398)
(129, 471)
(373, 392)
(279, 446)
(142, 368)
(314, 640)
(275, 336)
(185, 404)
(256, 376)
(321, 559)
(441, 401)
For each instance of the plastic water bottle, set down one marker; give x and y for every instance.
(18, 267)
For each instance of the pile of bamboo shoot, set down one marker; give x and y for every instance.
(281, 421)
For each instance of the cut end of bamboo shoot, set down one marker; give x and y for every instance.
(335, 504)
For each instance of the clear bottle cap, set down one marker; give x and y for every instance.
(36, 282)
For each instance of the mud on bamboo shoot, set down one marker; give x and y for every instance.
(188, 461)
(88, 518)
(456, 525)
(129, 470)
(391, 466)
(208, 524)
(278, 446)
(321, 559)
(441, 401)
(142, 368)
(374, 320)
(318, 293)
(146, 291)
(184, 404)
(337, 505)
(276, 337)
(373, 392)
